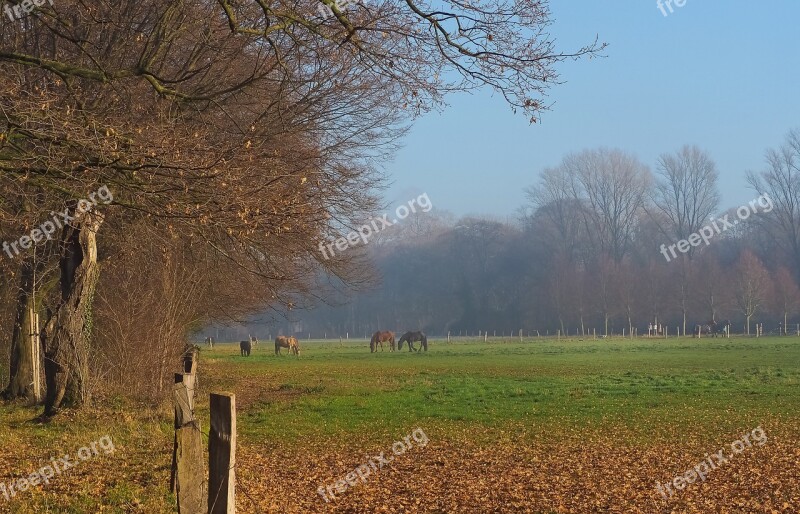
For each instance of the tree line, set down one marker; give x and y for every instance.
(590, 251)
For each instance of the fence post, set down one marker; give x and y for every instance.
(222, 454)
(187, 455)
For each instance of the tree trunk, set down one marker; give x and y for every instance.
(20, 384)
(66, 336)
(684, 324)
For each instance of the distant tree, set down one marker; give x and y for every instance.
(751, 285)
(682, 200)
(685, 194)
(712, 291)
(781, 182)
(611, 185)
(785, 298)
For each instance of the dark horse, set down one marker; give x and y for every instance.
(411, 338)
(378, 338)
(716, 329)
(245, 347)
(713, 328)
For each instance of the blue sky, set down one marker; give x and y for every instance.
(720, 74)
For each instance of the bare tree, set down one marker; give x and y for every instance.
(785, 298)
(781, 182)
(751, 285)
(612, 186)
(686, 192)
(252, 127)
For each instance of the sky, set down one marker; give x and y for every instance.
(722, 75)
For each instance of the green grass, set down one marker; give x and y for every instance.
(550, 386)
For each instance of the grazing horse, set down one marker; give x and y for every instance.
(245, 347)
(287, 342)
(378, 338)
(411, 338)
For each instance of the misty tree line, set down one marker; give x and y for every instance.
(586, 254)
(234, 137)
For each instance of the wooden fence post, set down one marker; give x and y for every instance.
(190, 360)
(187, 456)
(222, 454)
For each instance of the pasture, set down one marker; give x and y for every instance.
(536, 426)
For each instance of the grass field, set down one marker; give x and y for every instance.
(531, 426)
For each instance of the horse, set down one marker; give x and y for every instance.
(378, 338)
(253, 341)
(245, 347)
(411, 338)
(287, 342)
(716, 329)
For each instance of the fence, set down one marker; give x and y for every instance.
(188, 478)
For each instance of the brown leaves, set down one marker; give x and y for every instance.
(577, 475)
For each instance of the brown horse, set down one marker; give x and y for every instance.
(378, 338)
(287, 342)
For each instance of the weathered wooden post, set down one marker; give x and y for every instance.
(190, 356)
(187, 455)
(222, 454)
